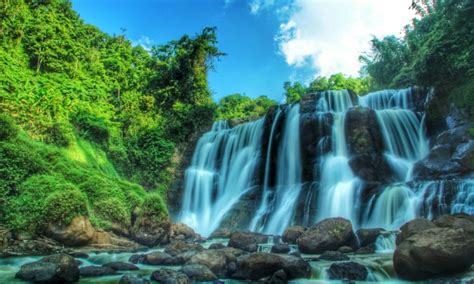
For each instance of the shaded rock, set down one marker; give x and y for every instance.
(348, 271)
(463, 221)
(333, 256)
(412, 227)
(183, 230)
(365, 250)
(54, 268)
(150, 233)
(121, 266)
(345, 249)
(198, 272)
(79, 254)
(95, 271)
(291, 234)
(246, 240)
(464, 155)
(221, 233)
(368, 236)
(259, 265)
(217, 246)
(161, 258)
(133, 279)
(329, 234)
(136, 258)
(170, 276)
(280, 248)
(279, 277)
(431, 252)
(78, 233)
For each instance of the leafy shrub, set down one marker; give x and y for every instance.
(64, 205)
(59, 134)
(27, 212)
(92, 127)
(8, 128)
(113, 209)
(99, 188)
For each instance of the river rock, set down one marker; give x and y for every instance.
(216, 260)
(279, 277)
(96, 271)
(246, 241)
(463, 221)
(217, 246)
(351, 271)
(333, 256)
(259, 265)
(291, 234)
(345, 249)
(176, 248)
(365, 250)
(198, 272)
(78, 233)
(412, 227)
(432, 252)
(280, 248)
(170, 276)
(368, 236)
(183, 230)
(161, 258)
(464, 155)
(121, 266)
(329, 234)
(133, 279)
(60, 268)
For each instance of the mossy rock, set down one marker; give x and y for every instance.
(62, 206)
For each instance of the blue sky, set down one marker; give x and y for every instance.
(267, 41)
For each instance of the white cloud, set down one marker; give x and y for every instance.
(258, 5)
(329, 35)
(145, 42)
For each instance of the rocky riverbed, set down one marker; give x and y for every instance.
(329, 250)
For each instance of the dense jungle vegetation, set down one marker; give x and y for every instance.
(90, 124)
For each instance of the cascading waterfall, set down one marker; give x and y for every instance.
(338, 183)
(222, 169)
(279, 202)
(226, 165)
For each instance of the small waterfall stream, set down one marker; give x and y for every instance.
(227, 164)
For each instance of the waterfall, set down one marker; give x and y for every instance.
(279, 202)
(338, 185)
(222, 169)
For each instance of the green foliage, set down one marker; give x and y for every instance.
(59, 134)
(64, 205)
(154, 208)
(436, 51)
(295, 91)
(113, 210)
(240, 106)
(92, 127)
(8, 128)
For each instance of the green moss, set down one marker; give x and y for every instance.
(8, 128)
(63, 206)
(99, 188)
(462, 96)
(114, 210)
(471, 132)
(59, 134)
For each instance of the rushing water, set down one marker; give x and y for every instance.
(227, 164)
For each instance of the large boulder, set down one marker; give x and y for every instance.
(412, 227)
(426, 249)
(329, 234)
(291, 234)
(433, 252)
(198, 272)
(59, 268)
(151, 233)
(247, 241)
(133, 279)
(351, 271)
(170, 276)
(259, 265)
(280, 248)
(182, 231)
(96, 271)
(78, 233)
(464, 155)
(181, 247)
(161, 258)
(121, 266)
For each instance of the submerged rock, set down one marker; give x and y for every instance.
(434, 251)
(133, 279)
(368, 236)
(259, 265)
(59, 268)
(352, 271)
(198, 272)
(121, 266)
(333, 256)
(280, 248)
(170, 276)
(291, 234)
(329, 234)
(96, 271)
